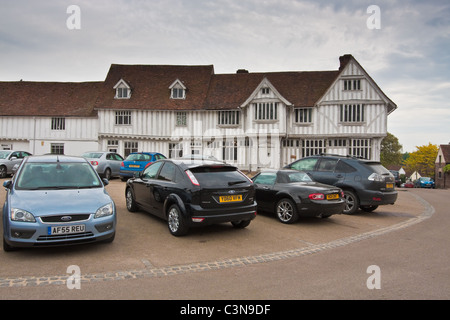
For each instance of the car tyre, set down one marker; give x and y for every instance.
(175, 221)
(286, 211)
(352, 202)
(240, 224)
(129, 199)
(7, 247)
(107, 174)
(368, 208)
(2, 172)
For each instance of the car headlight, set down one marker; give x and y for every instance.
(104, 211)
(21, 215)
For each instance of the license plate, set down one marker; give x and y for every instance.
(66, 229)
(332, 196)
(233, 198)
(134, 166)
(389, 185)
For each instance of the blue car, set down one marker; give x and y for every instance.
(136, 162)
(56, 200)
(424, 182)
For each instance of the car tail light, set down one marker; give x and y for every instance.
(192, 178)
(122, 164)
(316, 196)
(148, 164)
(94, 163)
(251, 181)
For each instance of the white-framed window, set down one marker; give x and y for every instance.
(112, 145)
(266, 111)
(290, 143)
(122, 118)
(265, 90)
(352, 84)
(177, 90)
(175, 149)
(123, 90)
(360, 148)
(312, 147)
(177, 93)
(57, 148)
(129, 147)
(303, 115)
(350, 113)
(181, 118)
(229, 151)
(229, 117)
(58, 123)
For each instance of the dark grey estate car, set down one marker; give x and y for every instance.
(189, 193)
(366, 184)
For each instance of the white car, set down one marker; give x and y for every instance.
(107, 164)
(9, 159)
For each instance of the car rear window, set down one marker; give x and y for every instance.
(92, 155)
(376, 167)
(139, 157)
(219, 177)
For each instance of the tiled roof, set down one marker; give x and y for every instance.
(301, 89)
(150, 90)
(23, 98)
(150, 87)
(445, 148)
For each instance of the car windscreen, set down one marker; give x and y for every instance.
(56, 175)
(219, 176)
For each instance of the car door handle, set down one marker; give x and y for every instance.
(265, 188)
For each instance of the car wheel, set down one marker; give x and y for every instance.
(131, 203)
(2, 172)
(240, 224)
(107, 174)
(176, 223)
(352, 202)
(368, 208)
(286, 211)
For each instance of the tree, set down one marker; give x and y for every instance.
(390, 152)
(423, 160)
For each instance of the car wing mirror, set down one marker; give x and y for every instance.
(7, 184)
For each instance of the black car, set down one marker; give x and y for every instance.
(190, 193)
(291, 194)
(366, 184)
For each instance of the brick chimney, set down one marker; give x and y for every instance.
(344, 60)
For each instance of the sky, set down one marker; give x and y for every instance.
(403, 45)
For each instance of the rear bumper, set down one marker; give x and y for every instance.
(377, 198)
(196, 215)
(320, 208)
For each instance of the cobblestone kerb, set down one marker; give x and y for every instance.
(151, 271)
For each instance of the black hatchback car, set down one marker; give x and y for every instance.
(190, 193)
(366, 184)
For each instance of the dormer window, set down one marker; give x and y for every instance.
(177, 90)
(123, 90)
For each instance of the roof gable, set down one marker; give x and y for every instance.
(349, 68)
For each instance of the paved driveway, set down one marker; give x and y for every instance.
(143, 247)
